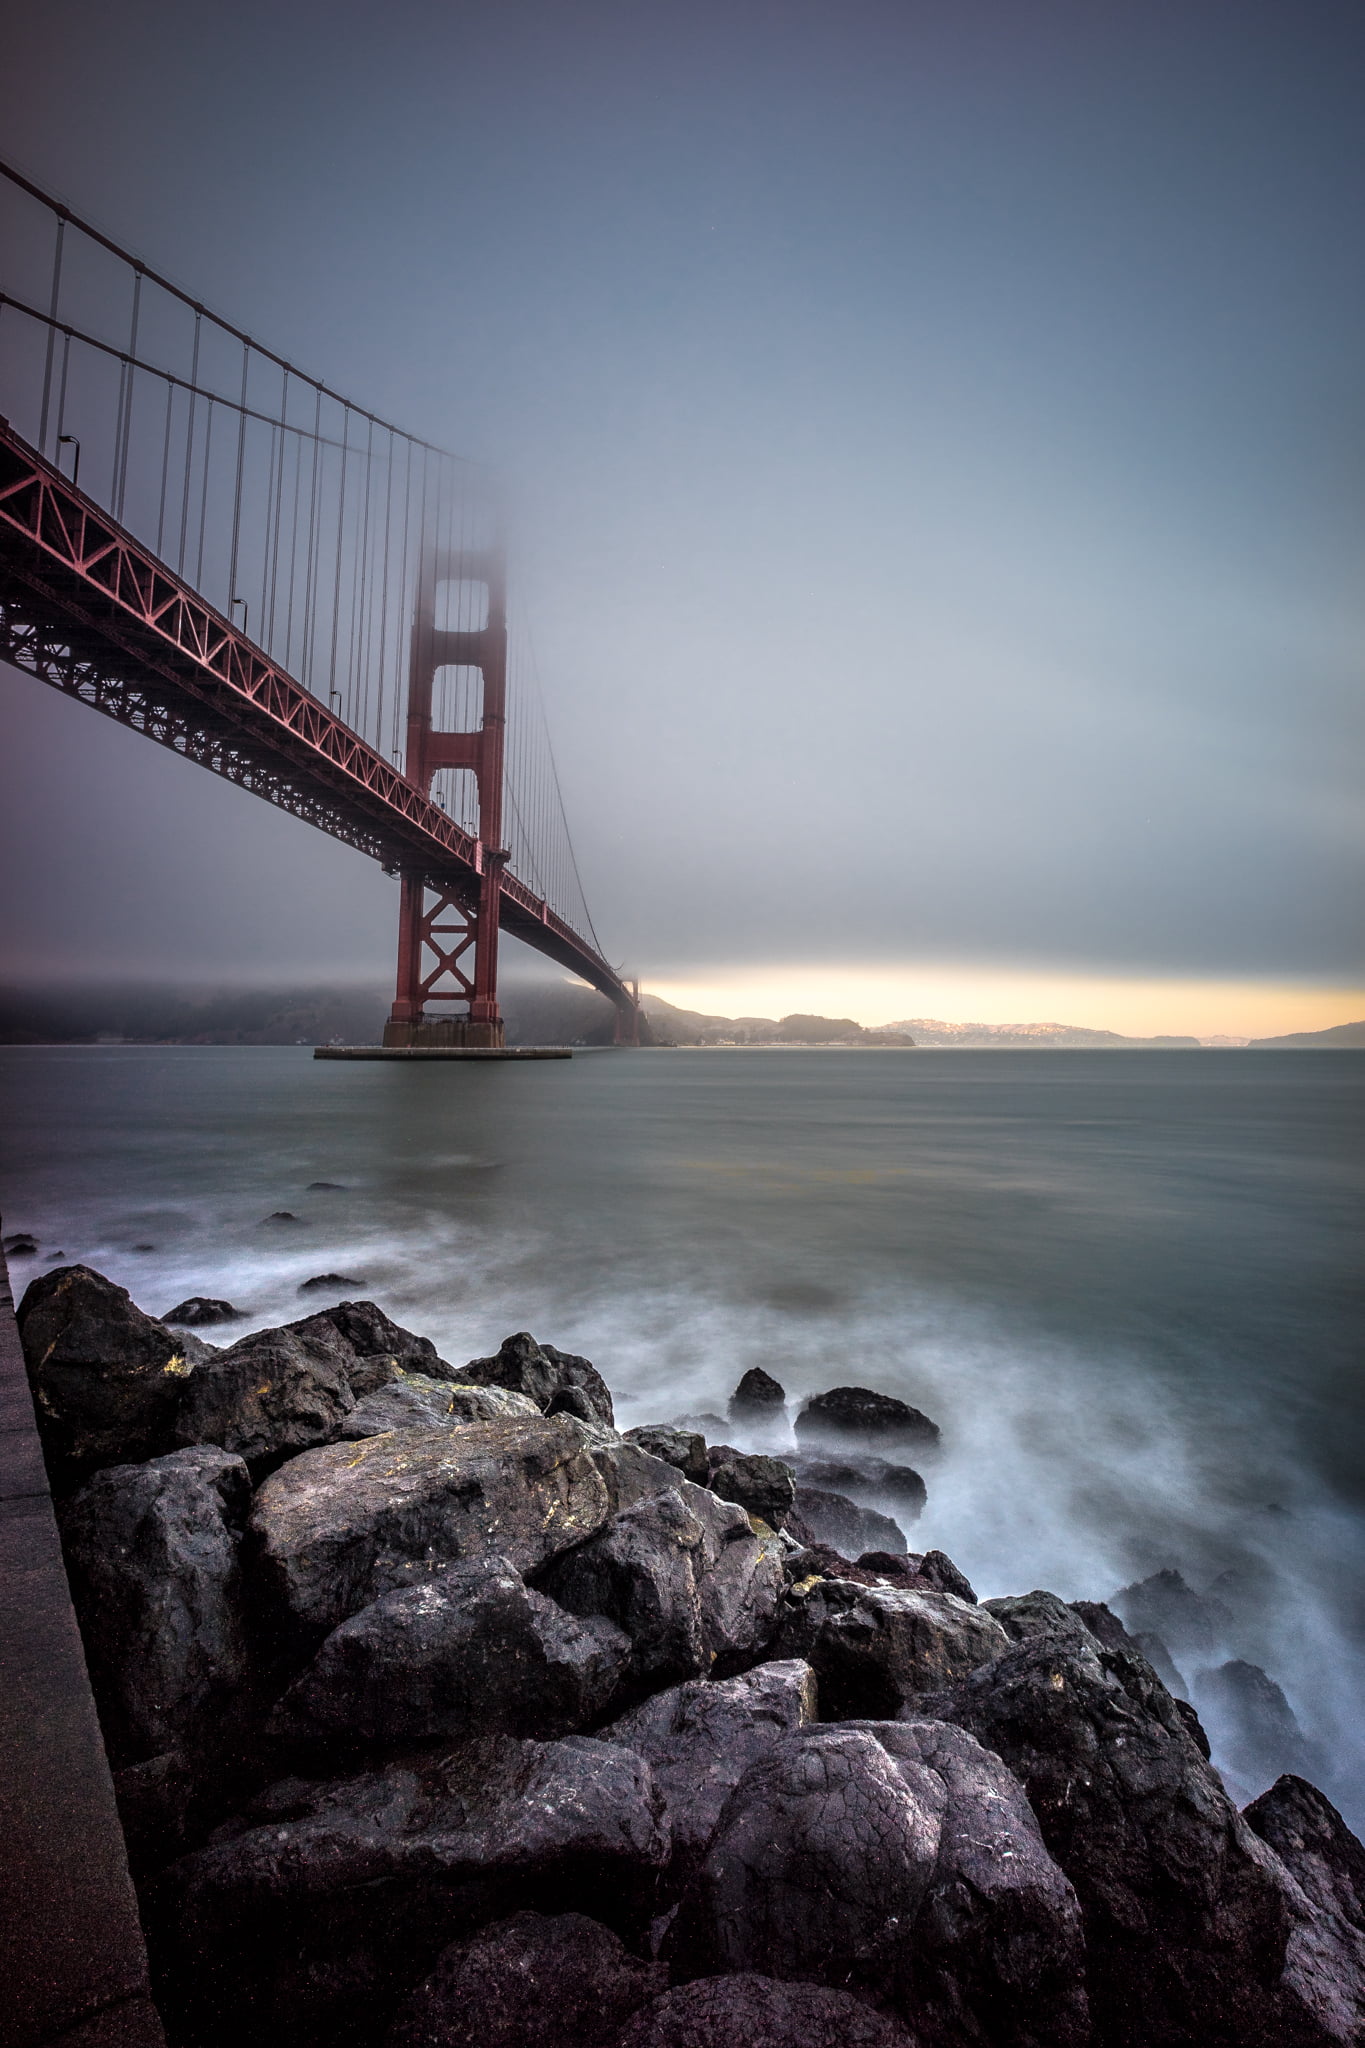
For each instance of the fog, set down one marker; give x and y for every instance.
(933, 440)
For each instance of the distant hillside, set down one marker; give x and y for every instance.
(693, 1027)
(1340, 1037)
(933, 1031)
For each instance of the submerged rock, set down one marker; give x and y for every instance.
(338, 1527)
(474, 1652)
(858, 1415)
(1189, 1624)
(200, 1310)
(107, 1380)
(529, 1982)
(329, 1280)
(1251, 1724)
(748, 2010)
(759, 1399)
(867, 1480)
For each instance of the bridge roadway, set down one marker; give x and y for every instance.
(86, 607)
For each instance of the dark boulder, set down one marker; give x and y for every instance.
(275, 1216)
(1310, 1837)
(900, 1862)
(475, 1651)
(558, 1382)
(872, 1482)
(833, 1519)
(199, 1310)
(338, 1527)
(267, 1397)
(529, 1982)
(413, 1401)
(686, 1578)
(751, 2011)
(309, 1918)
(700, 1738)
(759, 1399)
(1187, 1919)
(858, 1415)
(372, 1347)
(19, 1245)
(937, 1570)
(762, 1486)
(682, 1448)
(878, 1650)
(152, 1556)
(327, 1280)
(107, 1380)
(1191, 1625)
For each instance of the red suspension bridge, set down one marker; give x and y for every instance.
(212, 547)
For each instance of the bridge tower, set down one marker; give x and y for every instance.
(448, 936)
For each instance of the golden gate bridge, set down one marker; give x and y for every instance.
(214, 548)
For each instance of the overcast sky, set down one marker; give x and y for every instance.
(937, 449)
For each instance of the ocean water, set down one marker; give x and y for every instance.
(1127, 1286)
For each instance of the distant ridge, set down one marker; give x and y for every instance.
(1344, 1037)
(933, 1031)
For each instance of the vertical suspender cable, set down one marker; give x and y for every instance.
(189, 446)
(52, 329)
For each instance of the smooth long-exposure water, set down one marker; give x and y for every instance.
(1126, 1285)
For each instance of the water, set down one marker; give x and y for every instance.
(1126, 1285)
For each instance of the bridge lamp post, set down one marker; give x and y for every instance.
(71, 441)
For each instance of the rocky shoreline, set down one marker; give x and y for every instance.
(443, 1712)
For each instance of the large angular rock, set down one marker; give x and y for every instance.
(267, 1397)
(840, 1524)
(375, 1348)
(901, 1862)
(858, 1416)
(871, 1482)
(472, 1652)
(758, 1400)
(682, 1448)
(201, 1309)
(1188, 1918)
(557, 1381)
(152, 1555)
(1254, 1731)
(762, 1486)
(338, 1527)
(1310, 1837)
(306, 1921)
(107, 1380)
(752, 2011)
(416, 1401)
(1190, 1625)
(878, 1650)
(529, 1982)
(700, 1738)
(686, 1578)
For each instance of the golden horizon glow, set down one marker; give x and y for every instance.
(1136, 1006)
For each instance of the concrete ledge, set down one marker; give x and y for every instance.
(442, 1052)
(73, 1964)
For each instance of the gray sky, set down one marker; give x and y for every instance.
(935, 443)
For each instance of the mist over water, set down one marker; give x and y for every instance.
(1125, 1285)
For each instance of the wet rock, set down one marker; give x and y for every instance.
(751, 2011)
(328, 1280)
(267, 1397)
(413, 1401)
(325, 1187)
(831, 1518)
(686, 1578)
(557, 1381)
(762, 1486)
(1310, 1837)
(1250, 1723)
(338, 1527)
(152, 1556)
(869, 1481)
(857, 1414)
(107, 1380)
(373, 1348)
(700, 1738)
(899, 1861)
(878, 1650)
(307, 1920)
(1190, 1624)
(19, 1245)
(758, 1399)
(706, 1424)
(158, 1804)
(937, 1570)
(199, 1310)
(529, 1982)
(1187, 1921)
(1026, 1616)
(682, 1448)
(472, 1652)
(275, 1216)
